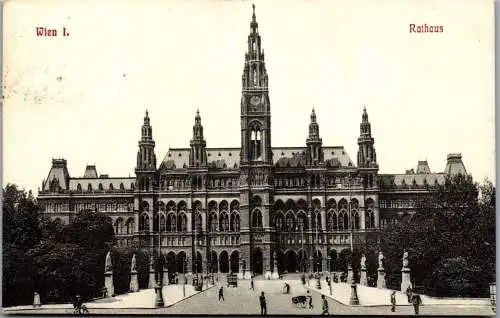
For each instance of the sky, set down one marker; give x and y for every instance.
(82, 97)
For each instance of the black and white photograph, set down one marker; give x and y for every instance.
(248, 157)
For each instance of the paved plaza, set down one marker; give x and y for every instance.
(243, 300)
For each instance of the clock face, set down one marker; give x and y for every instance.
(255, 100)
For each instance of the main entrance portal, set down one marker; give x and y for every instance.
(257, 261)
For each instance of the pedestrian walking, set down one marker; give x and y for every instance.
(310, 300)
(324, 305)
(221, 293)
(416, 301)
(393, 301)
(251, 284)
(409, 294)
(263, 305)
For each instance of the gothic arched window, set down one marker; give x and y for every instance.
(224, 222)
(171, 224)
(182, 223)
(369, 215)
(257, 219)
(290, 221)
(255, 142)
(162, 223)
(279, 223)
(212, 222)
(332, 221)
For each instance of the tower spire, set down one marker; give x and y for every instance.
(198, 154)
(254, 25)
(314, 142)
(146, 157)
(255, 104)
(254, 72)
(366, 154)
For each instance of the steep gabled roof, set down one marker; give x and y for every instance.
(178, 158)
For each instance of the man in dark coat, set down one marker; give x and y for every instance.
(309, 296)
(408, 293)
(263, 305)
(324, 305)
(393, 301)
(416, 301)
(221, 293)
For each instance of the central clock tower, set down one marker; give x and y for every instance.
(256, 161)
(255, 105)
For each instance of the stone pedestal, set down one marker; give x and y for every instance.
(134, 283)
(240, 270)
(267, 274)
(405, 279)
(159, 303)
(189, 278)
(381, 278)
(275, 274)
(247, 275)
(108, 283)
(165, 277)
(152, 280)
(318, 283)
(363, 280)
(353, 299)
(36, 300)
(350, 275)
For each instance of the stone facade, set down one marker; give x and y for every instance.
(209, 208)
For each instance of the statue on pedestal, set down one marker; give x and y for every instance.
(133, 266)
(380, 260)
(405, 259)
(108, 276)
(363, 261)
(109, 266)
(151, 263)
(134, 283)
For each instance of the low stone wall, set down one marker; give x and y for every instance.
(371, 296)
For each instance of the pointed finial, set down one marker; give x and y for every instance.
(313, 115)
(197, 118)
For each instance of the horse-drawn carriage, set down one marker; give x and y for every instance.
(300, 301)
(232, 280)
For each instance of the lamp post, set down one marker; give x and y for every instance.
(353, 300)
(302, 243)
(159, 303)
(184, 280)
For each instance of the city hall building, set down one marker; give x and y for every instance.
(234, 209)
